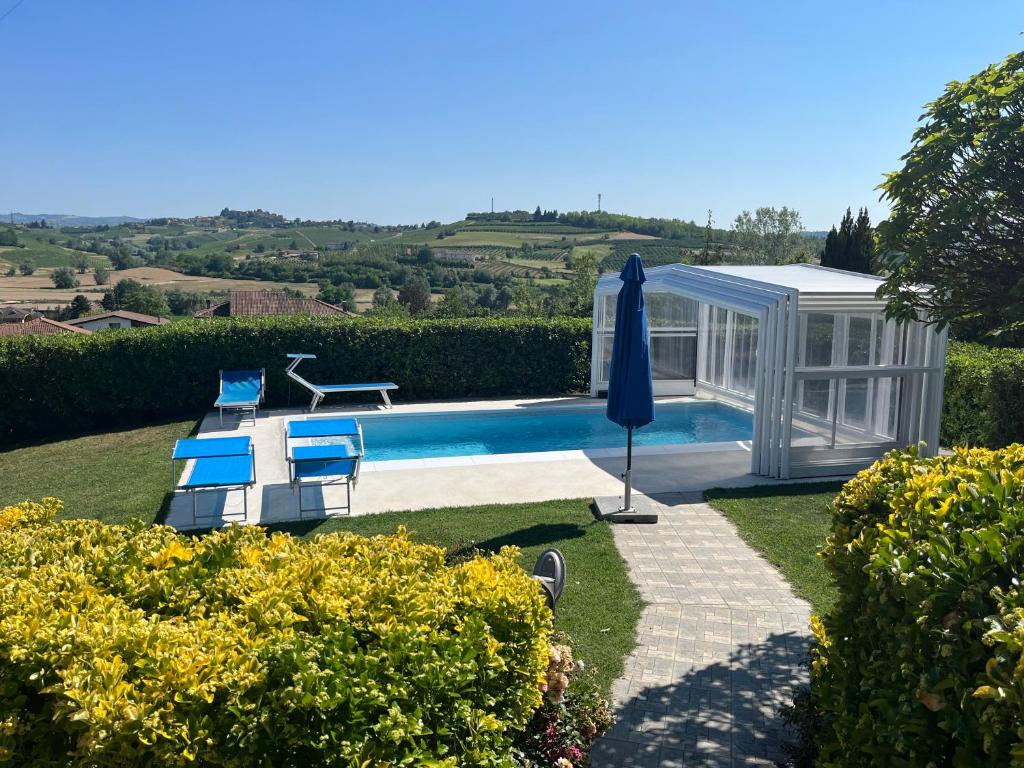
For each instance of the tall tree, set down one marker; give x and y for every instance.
(957, 219)
(64, 278)
(415, 294)
(78, 306)
(852, 246)
(136, 297)
(768, 236)
(862, 244)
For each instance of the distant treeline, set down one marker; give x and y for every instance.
(669, 229)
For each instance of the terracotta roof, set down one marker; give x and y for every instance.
(261, 303)
(38, 326)
(135, 317)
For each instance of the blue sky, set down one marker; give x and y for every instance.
(405, 112)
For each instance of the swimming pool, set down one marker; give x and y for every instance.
(394, 437)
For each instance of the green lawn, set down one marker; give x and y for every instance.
(787, 524)
(115, 476)
(125, 475)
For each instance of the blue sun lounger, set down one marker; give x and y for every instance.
(316, 463)
(320, 391)
(241, 391)
(218, 463)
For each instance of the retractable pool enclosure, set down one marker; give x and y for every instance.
(830, 382)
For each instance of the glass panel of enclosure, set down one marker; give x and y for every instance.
(848, 410)
(731, 350)
(672, 322)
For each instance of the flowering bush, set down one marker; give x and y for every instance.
(921, 660)
(131, 646)
(573, 714)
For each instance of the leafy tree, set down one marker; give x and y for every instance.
(101, 275)
(82, 263)
(383, 297)
(457, 302)
(12, 270)
(386, 305)
(768, 236)
(185, 303)
(260, 248)
(64, 278)
(424, 254)
(523, 300)
(415, 294)
(79, 306)
(136, 297)
(580, 291)
(957, 218)
(8, 237)
(343, 295)
(27, 267)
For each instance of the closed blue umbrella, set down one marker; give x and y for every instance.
(630, 387)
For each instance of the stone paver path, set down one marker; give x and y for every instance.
(721, 646)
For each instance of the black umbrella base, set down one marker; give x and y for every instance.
(610, 508)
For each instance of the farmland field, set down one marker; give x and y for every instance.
(38, 291)
(37, 248)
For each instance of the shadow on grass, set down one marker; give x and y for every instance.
(771, 491)
(722, 713)
(111, 430)
(538, 535)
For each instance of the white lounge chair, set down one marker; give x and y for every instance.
(320, 391)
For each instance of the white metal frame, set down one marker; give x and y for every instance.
(780, 313)
(320, 391)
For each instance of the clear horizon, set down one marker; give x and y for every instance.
(407, 114)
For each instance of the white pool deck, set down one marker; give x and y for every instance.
(458, 481)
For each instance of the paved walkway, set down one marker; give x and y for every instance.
(721, 646)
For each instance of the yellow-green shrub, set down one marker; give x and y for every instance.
(920, 663)
(131, 646)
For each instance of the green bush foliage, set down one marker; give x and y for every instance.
(984, 396)
(65, 383)
(921, 660)
(132, 646)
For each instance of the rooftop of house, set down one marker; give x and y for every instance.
(17, 314)
(134, 317)
(262, 303)
(39, 325)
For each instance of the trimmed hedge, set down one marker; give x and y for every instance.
(984, 396)
(64, 383)
(921, 660)
(136, 646)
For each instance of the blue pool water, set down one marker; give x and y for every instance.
(526, 430)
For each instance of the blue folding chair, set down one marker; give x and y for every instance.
(316, 463)
(241, 391)
(218, 463)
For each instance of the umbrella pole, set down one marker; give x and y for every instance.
(627, 506)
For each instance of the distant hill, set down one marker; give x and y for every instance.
(69, 220)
